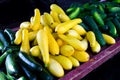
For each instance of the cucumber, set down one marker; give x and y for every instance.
(114, 9)
(10, 34)
(12, 66)
(112, 28)
(93, 26)
(117, 24)
(97, 17)
(29, 62)
(102, 14)
(99, 37)
(101, 7)
(69, 10)
(90, 22)
(84, 26)
(75, 13)
(117, 1)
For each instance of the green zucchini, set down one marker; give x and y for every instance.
(3, 76)
(13, 47)
(30, 74)
(1, 46)
(12, 67)
(29, 62)
(3, 56)
(45, 75)
(10, 34)
(22, 78)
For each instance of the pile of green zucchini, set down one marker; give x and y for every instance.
(100, 17)
(17, 65)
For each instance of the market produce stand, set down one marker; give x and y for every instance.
(105, 51)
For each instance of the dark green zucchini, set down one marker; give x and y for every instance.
(10, 34)
(30, 74)
(4, 40)
(1, 46)
(3, 56)
(3, 76)
(12, 67)
(29, 62)
(22, 78)
(45, 75)
(13, 47)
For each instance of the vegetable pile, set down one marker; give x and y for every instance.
(57, 41)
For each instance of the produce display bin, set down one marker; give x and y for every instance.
(95, 61)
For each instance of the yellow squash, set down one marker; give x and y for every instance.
(91, 38)
(66, 50)
(18, 37)
(55, 68)
(74, 33)
(65, 26)
(52, 43)
(63, 17)
(76, 43)
(42, 40)
(64, 61)
(74, 61)
(35, 51)
(25, 25)
(58, 9)
(48, 18)
(82, 56)
(32, 35)
(80, 30)
(36, 20)
(109, 39)
(96, 48)
(55, 17)
(25, 46)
